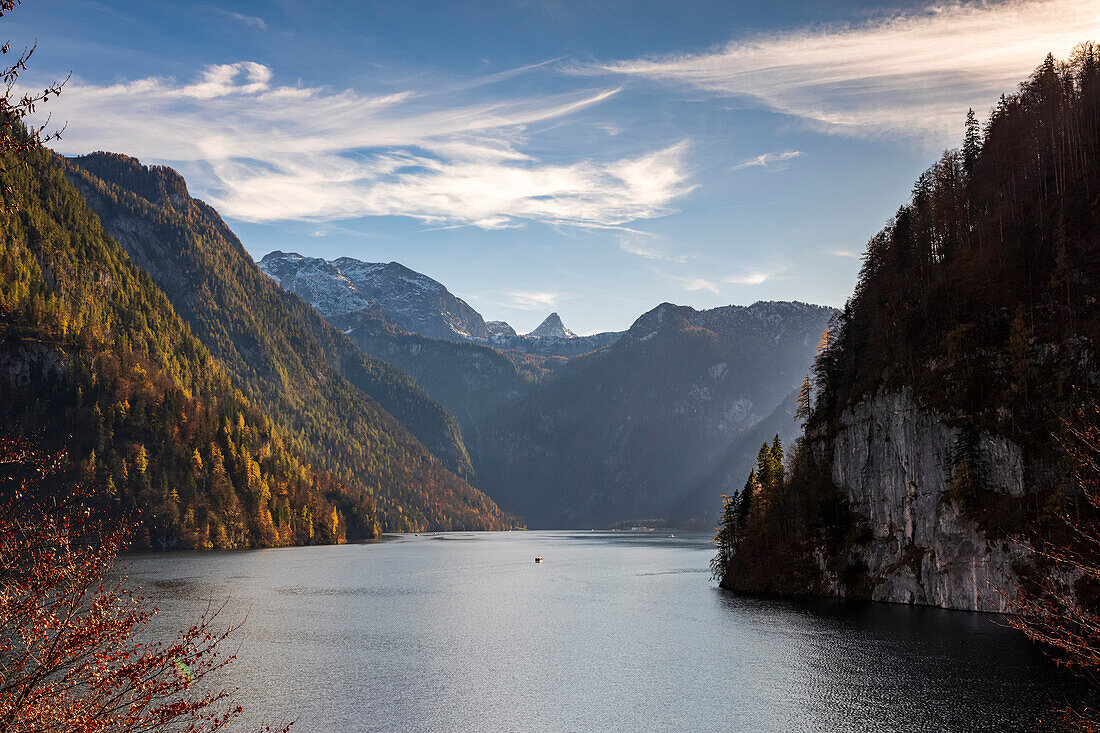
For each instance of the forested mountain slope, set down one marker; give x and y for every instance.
(287, 376)
(278, 350)
(939, 404)
(472, 380)
(95, 360)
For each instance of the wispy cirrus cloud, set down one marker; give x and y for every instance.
(849, 253)
(753, 277)
(691, 283)
(639, 247)
(249, 20)
(772, 161)
(533, 301)
(911, 75)
(261, 152)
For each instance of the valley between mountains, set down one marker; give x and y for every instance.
(582, 431)
(306, 401)
(910, 447)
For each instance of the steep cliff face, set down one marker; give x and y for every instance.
(939, 406)
(892, 459)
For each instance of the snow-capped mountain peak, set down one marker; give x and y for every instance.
(414, 302)
(410, 300)
(552, 328)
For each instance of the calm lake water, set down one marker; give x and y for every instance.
(613, 632)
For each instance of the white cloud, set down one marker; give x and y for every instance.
(532, 301)
(636, 246)
(774, 161)
(753, 277)
(911, 75)
(852, 254)
(250, 20)
(263, 152)
(698, 283)
(692, 284)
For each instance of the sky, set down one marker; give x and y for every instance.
(592, 158)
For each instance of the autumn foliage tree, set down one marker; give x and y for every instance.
(17, 137)
(71, 654)
(1060, 607)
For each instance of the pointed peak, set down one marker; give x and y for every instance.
(552, 327)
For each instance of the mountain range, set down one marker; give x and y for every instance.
(657, 424)
(583, 431)
(414, 302)
(322, 400)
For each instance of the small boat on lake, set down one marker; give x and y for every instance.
(538, 559)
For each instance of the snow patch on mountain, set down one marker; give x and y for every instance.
(500, 329)
(410, 300)
(415, 303)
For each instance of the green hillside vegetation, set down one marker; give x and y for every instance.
(271, 341)
(282, 355)
(95, 360)
(979, 296)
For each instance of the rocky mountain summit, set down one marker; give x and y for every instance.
(500, 329)
(411, 300)
(415, 303)
(552, 328)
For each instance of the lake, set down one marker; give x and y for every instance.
(615, 631)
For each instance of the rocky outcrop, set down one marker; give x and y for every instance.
(892, 459)
(552, 328)
(26, 361)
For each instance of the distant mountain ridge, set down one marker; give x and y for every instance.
(411, 300)
(415, 303)
(658, 423)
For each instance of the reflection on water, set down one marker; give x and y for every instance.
(614, 631)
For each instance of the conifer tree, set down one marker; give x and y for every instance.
(775, 459)
(725, 537)
(744, 506)
(764, 468)
(802, 412)
(972, 143)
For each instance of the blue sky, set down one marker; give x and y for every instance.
(594, 158)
